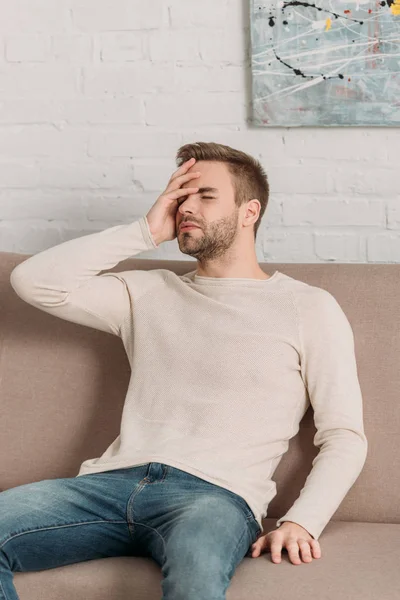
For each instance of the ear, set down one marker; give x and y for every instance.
(253, 210)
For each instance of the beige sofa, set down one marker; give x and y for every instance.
(62, 389)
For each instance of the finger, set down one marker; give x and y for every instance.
(174, 194)
(305, 550)
(258, 546)
(178, 181)
(276, 550)
(316, 548)
(185, 192)
(293, 550)
(183, 168)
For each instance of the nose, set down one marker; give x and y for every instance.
(185, 206)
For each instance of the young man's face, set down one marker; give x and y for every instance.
(213, 210)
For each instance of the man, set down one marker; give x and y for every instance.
(225, 362)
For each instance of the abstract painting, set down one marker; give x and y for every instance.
(325, 63)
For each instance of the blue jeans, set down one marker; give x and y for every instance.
(196, 531)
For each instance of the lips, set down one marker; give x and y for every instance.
(188, 226)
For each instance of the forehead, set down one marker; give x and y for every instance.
(213, 174)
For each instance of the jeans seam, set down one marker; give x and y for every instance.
(245, 530)
(141, 485)
(3, 591)
(157, 532)
(166, 471)
(253, 518)
(56, 527)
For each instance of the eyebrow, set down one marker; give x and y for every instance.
(202, 190)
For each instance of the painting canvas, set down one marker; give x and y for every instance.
(325, 63)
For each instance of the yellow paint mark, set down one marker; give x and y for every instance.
(329, 22)
(395, 8)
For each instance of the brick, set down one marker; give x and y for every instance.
(117, 15)
(38, 81)
(28, 238)
(121, 47)
(288, 246)
(265, 147)
(139, 144)
(294, 179)
(202, 108)
(273, 213)
(86, 175)
(333, 212)
(28, 110)
(38, 204)
(340, 247)
(40, 16)
(218, 78)
(128, 80)
(180, 44)
(43, 141)
(153, 176)
(28, 48)
(383, 247)
(207, 13)
(72, 49)
(18, 175)
(393, 213)
(222, 46)
(375, 180)
(127, 111)
(338, 145)
(107, 207)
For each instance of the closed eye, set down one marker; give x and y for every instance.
(206, 197)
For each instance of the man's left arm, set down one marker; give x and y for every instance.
(329, 371)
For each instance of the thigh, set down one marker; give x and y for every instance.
(204, 538)
(56, 522)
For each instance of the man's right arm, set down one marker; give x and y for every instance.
(64, 280)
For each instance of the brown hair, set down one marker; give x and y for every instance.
(249, 177)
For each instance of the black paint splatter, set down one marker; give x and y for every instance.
(309, 4)
(299, 72)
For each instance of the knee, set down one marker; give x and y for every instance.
(195, 575)
(178, 585)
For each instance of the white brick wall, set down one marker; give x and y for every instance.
(96, 96)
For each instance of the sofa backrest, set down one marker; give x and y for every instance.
(63, 385)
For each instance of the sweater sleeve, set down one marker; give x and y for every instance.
(64, 281)
(329, 371)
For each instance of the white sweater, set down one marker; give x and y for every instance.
(223, 369)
